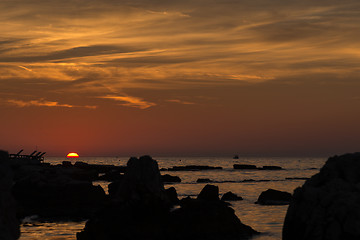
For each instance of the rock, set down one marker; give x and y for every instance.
(209, 193)
(141, 209)
(244, 166)
(274, 197)
(172, 195)
(229, 196)
(271, 168)
(9, 224)
(326, 207)
(51, 193)
(141, 181)
(204, 180)
(170, 179)
(206, 220)
(111, 176)
(67, 164)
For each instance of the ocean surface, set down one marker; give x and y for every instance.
(265, 219)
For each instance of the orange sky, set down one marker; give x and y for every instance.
(175, 77)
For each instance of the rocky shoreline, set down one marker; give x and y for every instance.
(138, 206)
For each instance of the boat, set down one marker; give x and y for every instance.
(236, 157)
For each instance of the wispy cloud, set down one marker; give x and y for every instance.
(130, 101)
(180, 101)
(44, 103)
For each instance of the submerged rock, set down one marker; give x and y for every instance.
(326, 207)
(229, 196)
(244, 166)
(274, 197)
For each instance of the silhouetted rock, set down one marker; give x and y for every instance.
(172, 195)
(51, 193)
(209, 193)
(111, 176)
(271, 168)
(67, 164)
(274, 197)
(326, 207)
(206, 219)
(170, 179)
(9, 224)
(141, 209)
(203, 180)
(192, 168)
(229, 196)
(244, 166)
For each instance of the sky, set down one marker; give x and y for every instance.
(180, 78)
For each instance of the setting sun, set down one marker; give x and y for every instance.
(73, 155)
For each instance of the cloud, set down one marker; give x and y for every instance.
(180, 101)
(130, 101)
(43, 103)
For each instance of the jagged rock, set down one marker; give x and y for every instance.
(326, 207)
(141, 209)
(244, 166)
(274, 197)
(229, 196)
(209, 193)
(169, 179)
(9, 224)
(207, 219)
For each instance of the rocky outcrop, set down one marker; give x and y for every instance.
(141, 209)
(9, 224)
(52, 193)
(274, 197)
(229, 196)
(326, 207)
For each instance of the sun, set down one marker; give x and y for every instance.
(72, 155)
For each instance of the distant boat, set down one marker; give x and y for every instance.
(236, 157)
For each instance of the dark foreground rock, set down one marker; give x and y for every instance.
(9, 224)
(142, 209)
(274, 197)
(50, 193)
(326, 207)
(229, 196)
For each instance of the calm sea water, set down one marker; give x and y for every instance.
(266, 219)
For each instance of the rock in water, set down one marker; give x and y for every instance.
(209, 193)
(141, 209)
(274, 197)
(327, 206)
(230, 196)
(9, 224)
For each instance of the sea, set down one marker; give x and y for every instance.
(245, 183)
